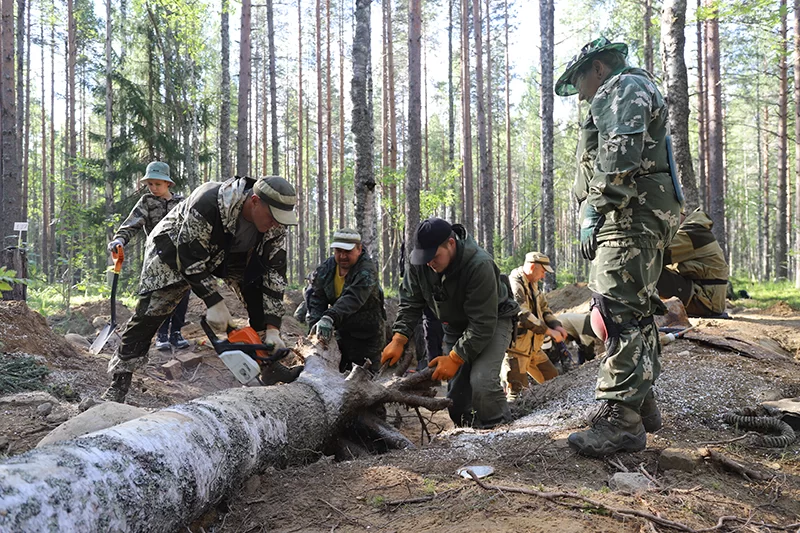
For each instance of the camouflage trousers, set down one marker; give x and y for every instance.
(151, 311)
(623, 278)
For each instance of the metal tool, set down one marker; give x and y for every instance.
(118, 254)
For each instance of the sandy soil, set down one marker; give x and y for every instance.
(419, 490)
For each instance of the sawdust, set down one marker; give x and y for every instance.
(781, 309)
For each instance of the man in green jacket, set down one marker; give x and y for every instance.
(695, 269)
(461, 284)
(346, 296)
(630, 212)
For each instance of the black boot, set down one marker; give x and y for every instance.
(651, 416)
(120, 384)
(616, 428)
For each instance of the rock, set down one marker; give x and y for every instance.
(102, 416)
(189, 359)
(100, 321)
(57, 418)
(676, 316)
(28, 398)
(78, 341)
(631, 482)
(252, 485)
(87, 403)
(677, 459)
(172, 369)
(44, 409)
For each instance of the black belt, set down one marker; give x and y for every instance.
(711, 281)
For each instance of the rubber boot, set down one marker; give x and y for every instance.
(617, 428)
(651, 416)
(120, 384)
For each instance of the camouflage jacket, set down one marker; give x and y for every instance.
(535, 316)
(623, 170)
(468, 298)
(192, 243)
(358, 311)
(147, 212)
(694, 253)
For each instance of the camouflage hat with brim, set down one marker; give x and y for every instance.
(280, 196)
(157, 170)
(540, 258)
(564, 86)
(346, 239)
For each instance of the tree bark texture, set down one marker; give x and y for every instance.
(702, 123)
(10, 180)
(242, 142)
(509, 214)
(341, 119)
(45, 256)
(225, 94)
(673, 41)
(301, 222)
(716, 187)
(648, 35)
(546, 27)
(487, 198)
(328, 116)
(781, 229)
(20, 93)
(161, 471)
(322, 218)
(273, 91)
(414, 157)
(466, 122)
(451, 119)
(108, 168)
(797, 143)
(362, 128)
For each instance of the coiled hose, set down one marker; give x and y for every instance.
(763, 420)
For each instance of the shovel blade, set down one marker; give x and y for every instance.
(102, 338)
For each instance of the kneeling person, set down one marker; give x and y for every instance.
(347, 297)
(536, 322)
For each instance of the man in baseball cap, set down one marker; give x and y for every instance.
(461, 284)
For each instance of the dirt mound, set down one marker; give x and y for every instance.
(570, 299)
(86, 319)
(781, 309)
(23, 330)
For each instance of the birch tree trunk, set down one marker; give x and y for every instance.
(242, 142)
(546, 22)
(414, 157)
(362, 128)
(781, 230)
(716, 187)
(225, 95)
(164, 470)
(673, 42)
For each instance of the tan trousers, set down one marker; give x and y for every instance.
(517, 367)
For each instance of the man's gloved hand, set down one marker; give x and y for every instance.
(394, 350)
(324, 328)
(591, 223)
(446, 366)
(219, 318)
(112, 246)
(273, 340)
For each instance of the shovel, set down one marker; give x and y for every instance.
(118, 254)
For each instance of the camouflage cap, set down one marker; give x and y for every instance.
(564, 85)
(157, 170)
(539, 257)
(280, 196)
(346, 239)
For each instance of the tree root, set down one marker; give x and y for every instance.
(619, 512)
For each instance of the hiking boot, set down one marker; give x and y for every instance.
(120, 384)
(177, 340)
(651, 416)
(162, 342)
(616, 428)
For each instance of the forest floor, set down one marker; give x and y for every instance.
(419, 490)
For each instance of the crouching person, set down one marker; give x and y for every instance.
(346, 297)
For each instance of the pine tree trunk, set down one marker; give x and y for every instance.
(386, 222)
(781, 230)
(509, 215)
(242, 142)
(225, 94)
(329, 116)
(673, 42)
(51, 250)
(301, 230)
(108, 167)
(322, 218)
(342, 214)
(797, 143)
(20, 77)
(45, 253)
(702, 123)
(546, 23)
(394, 233)
(414, 158)
(273, 91)
(26, 147)
(362, 128)
(451, 110)
(466, 122)
(72, 152)
(487, 196)
(648, 35)
(767, 208)
(716, 171)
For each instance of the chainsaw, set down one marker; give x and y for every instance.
(247, 358)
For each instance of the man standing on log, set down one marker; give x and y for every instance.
(695, 269)
(460, 282)
(235, 230)
(535, 325)
(347, 297)
(630, 212)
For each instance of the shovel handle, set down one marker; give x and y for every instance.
(118, 254)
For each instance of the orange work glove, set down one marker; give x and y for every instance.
(446, 366)
(394, 350)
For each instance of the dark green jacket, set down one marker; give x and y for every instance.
(468, 298)
(358, 311)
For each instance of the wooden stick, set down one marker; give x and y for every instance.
(729, 464)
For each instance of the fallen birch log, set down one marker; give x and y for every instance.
(162, 471)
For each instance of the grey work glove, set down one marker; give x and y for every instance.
(272, 338)
(219, 318)
(324, 328)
